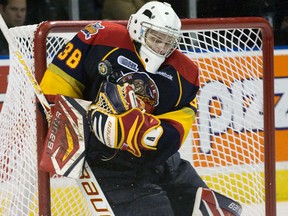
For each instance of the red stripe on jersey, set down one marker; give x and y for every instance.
(185, 67)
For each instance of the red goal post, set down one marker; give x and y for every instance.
(231, 143)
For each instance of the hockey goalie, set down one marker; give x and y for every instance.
(137, 117)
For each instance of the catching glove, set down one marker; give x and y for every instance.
(116, 99)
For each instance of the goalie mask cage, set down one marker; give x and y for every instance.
(231, 144)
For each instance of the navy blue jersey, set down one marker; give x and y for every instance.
(170, 92)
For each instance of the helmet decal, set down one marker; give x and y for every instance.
(148, 13)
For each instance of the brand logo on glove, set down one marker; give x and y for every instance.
(54, 129)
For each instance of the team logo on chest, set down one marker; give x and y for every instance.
(92, 29)
(145, 87)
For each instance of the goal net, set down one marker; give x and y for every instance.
(231, 143)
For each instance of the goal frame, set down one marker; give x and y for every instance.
(187, 24)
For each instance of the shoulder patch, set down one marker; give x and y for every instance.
(92, 29)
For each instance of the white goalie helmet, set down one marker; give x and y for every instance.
(156, 27)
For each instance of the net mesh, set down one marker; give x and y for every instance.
(226, 143)
(18, 164)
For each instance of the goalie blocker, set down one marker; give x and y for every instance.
(211, 203)
(64, 146)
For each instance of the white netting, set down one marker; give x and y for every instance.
(225, 144)
(18, 149)
(18, 164)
